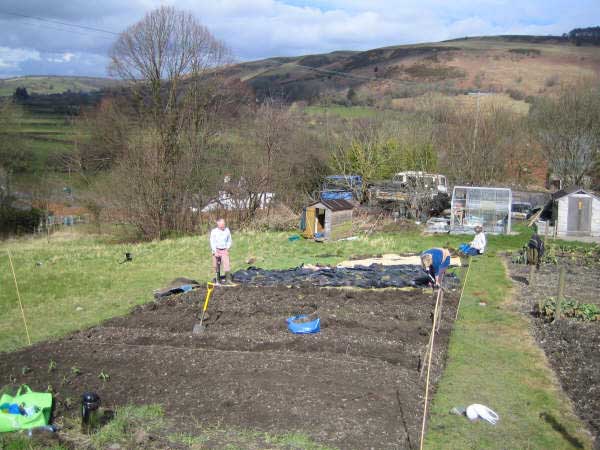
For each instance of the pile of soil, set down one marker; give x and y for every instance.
(354, 385)
(572, 347)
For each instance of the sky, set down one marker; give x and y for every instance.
(255, 29)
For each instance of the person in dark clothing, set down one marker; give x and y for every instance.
(535, 250)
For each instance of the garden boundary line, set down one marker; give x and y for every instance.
(433, 327)
(463, 288)
(19, 297)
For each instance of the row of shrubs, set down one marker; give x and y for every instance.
(15, 221)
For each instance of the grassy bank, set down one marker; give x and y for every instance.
(493, 360)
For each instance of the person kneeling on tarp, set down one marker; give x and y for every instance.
(435, 261)
(477, 245)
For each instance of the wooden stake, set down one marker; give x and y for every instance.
(463, 288)
(561, 293)
(432, 338)
(531, 274)
(19, 297)
(427, 349)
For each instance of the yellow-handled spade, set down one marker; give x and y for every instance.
(199, 327)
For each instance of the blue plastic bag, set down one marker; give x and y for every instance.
(313, 326)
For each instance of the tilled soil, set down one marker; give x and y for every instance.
(354, 385)
(572, 347)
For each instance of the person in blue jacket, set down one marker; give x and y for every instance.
(435, 261)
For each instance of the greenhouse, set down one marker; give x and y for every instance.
(485, 206)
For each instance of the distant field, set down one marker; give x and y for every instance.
(45, 135)
(54, 85)
(345, 112)
(461, 102)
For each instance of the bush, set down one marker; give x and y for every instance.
(526, 51)
(587, 312)
(516, 94)
(552, 80)
(17, 221)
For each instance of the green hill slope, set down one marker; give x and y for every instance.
(54, 84)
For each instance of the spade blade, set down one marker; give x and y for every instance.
(198, 328)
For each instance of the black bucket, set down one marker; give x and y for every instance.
(90, 404)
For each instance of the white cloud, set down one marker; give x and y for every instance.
(10, 58)
(65, 57)
(263, 28)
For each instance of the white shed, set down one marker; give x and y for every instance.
(576, 212)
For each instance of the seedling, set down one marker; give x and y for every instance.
(75, 370)
(65, 380)
(51, 365)
(25, 370)
(68, 402)
(50, 389)
(104, 376)
(12, 379)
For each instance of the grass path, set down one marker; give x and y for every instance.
(493, 360)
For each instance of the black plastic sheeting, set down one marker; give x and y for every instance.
(373, 276)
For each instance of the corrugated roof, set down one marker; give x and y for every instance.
(335, 205)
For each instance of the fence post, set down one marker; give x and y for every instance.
(561, 293)
(531, 272)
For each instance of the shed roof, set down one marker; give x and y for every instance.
(568, 191)
(335, 205)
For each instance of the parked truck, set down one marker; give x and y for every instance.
(407, 187)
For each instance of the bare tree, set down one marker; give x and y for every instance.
(170, 60)
(568, 129)
(480, 147)
(15, 156)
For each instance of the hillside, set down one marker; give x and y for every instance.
(54, 84)
(519, 66)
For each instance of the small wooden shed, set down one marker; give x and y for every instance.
(328, 219)
(576, 212)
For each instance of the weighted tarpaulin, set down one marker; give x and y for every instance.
(373, 276)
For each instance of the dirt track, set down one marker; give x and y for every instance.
(355, 384)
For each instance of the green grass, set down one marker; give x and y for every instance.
(43, 135)
(345, 112)
(14, 441)
(492, 357)
(493, 360)
(133, 421)
(148, 418)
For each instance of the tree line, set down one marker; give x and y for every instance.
(156, 152)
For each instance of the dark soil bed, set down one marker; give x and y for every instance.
(354, 385)
(572, 347)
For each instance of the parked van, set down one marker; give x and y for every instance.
(422, 181)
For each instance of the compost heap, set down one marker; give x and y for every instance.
(373, 276)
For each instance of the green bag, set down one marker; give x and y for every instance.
(41, 401)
